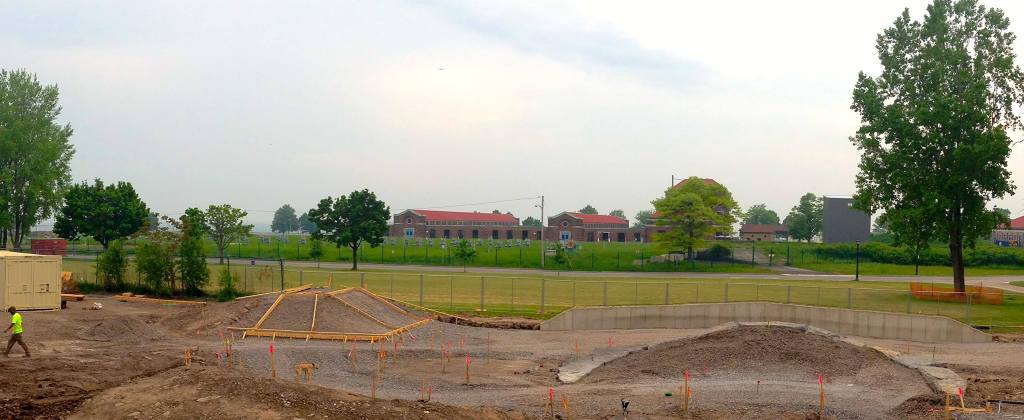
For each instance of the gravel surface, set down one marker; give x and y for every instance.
(377, 309)
(334, 316)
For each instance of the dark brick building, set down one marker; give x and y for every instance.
(415, 223)
(580, 227)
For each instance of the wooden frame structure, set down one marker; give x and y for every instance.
(393, 330)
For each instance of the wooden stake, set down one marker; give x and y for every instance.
(373, 386)
(273, 366)
(462, 342)
(468, 361)
(821, 396)
(444, 360)
(565, 406)
(685, 392)
(577, 348)
(330, 281)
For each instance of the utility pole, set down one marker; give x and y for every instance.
(542, 249)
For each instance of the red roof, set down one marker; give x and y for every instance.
(465, 216)
(604, 219)
(1017, 223)
(756, 228)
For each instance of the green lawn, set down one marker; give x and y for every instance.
(522, 296)
(1017, 283)
(870, 268)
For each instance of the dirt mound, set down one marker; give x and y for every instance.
(212, 392)
(122, 329)
(505, 323)
(52, 387)
(382, 311)
(776, 353)
(209, 319)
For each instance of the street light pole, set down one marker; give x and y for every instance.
(542, 250)
(857, 272)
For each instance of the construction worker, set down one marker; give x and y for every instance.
(16, 334)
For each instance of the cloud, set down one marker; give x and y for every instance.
(593, 50)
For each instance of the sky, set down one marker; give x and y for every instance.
(444, 103)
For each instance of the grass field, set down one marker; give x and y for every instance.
(603, 256)
(870, 268)
(525, 296)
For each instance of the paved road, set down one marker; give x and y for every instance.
(1001, 282)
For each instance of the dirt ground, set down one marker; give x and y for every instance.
(125, 361)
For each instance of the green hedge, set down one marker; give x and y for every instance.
(934, 255)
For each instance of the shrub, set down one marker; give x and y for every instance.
(716, 252)
(227, 286)
(112, 267)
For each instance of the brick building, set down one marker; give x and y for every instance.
(767, 233)
(415, 223)
(580, 227)
(1011, 234)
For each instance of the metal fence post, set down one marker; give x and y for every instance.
(451, 288)
(968, 309)
(636, 291)
(849, 298)
(789, 294)
(481, 293)
(574, 293)
(300, 277)
(605, 301)
(727, 293)
(543, 286)
(666, 293)
(421, 290)
(514, 292)
(362, 280)
(908, 301)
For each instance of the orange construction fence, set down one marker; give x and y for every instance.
(976, 294)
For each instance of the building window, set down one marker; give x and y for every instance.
(564, 235)
(636, 236)
(408, 220)
(526, 234)
(605, 237)
(460, 234)
(476, 234)
(410, 232)
(565, 223)
(590, 236)
(508, 234)
(448, 233)
(621, 237)
(433, 233)
(494, 234)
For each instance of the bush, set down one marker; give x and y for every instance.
(156, 264)
(112, 267)
(716, 252)
(227, 286)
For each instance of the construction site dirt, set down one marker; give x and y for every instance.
(127, 361)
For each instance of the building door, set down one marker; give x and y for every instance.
(564, 236)
(494, 234)
(448, 233)
(636, 236)
(410, 232)
(590, 236)
(621, 237)
(476, 234)
(19, 283)
(526, 234)
(433, 233)
(604, 237)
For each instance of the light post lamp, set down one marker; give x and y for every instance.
(856, 276)
(542, 250)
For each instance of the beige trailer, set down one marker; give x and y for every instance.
(29, 281)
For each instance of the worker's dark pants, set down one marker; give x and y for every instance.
(15, 338)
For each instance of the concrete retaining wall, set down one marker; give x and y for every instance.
(923, 328)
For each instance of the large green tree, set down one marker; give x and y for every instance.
(225, 224)
(285, 220)
(588, 209)
(804, 220)
(694, 211)
(101, 211)
(618, 213)
(306, 225)
(351, 221)
(531, 221)
(35, 154)
(191, 256)
(934, 135)
(643, 218)
(760, 214)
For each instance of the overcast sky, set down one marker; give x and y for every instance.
(441, 103)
